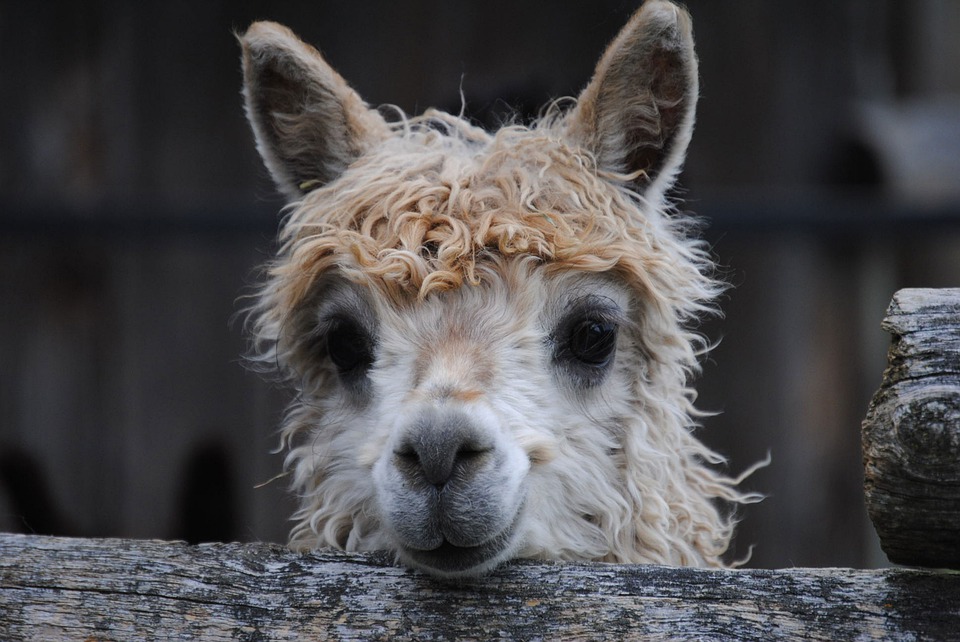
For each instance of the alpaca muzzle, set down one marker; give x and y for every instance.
(449, 497)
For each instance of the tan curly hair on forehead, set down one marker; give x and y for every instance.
(442, 197)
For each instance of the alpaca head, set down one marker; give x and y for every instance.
(488, 333)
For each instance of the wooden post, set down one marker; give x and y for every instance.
(911, 435)
(124, 590)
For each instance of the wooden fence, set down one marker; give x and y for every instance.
(80, 589)
(102, 589)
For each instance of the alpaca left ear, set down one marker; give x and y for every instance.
(310, 125)
(636, 115)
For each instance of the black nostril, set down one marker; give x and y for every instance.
(407, 452)
(407, 461)
(471, 452)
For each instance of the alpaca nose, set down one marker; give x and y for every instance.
(441, 447)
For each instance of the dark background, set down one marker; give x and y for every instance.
(134, 211)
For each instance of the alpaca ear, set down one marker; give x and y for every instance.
(309, 124)
(637, 113)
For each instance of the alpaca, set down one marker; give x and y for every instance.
(490, 334)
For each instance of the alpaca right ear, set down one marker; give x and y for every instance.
(309, 124)
(636, 114)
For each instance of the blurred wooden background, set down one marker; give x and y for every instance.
(134, 212)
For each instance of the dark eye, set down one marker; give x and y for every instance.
(349, 347)
(584, 341)
(593, 342)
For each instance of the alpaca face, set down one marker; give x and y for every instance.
(488, 333)
(468, 413)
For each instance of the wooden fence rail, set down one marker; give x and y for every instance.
(102, 589)
(79, 589)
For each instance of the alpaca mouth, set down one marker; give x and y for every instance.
(452, 560)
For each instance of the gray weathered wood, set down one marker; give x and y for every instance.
(911, 435)
(78, 589)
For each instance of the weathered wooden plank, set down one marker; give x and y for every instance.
(74, 589)
(911, 435)
(918, 309)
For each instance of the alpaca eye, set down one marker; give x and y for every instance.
(349, 348)
(584, 341)
(593, 342)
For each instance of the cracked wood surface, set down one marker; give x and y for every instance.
(911, 435)
(108, 589)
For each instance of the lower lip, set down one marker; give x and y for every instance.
(450, 559)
